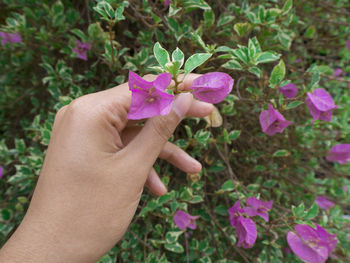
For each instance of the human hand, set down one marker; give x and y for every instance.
(96, 166)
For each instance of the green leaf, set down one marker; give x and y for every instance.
(80, 34)
(242, 28)
(266, 57)
(232, 64)
(195, 60)
(256, 71)
(172, 236)
(278, 73)
(20, 145)
(118, 15)
(209, 17)
(161, 55)
(202, 136)
(256, 44)
(225, 19)
(294, 104)
(298, 211)
(281, 153)
(310, 32)
(312, 212)
(241, 55)
(233, 135)
(178, 55)
(228, 186)
(174, 247)
(285, 40)
(287, 6)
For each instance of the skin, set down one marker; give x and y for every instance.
(94, 173)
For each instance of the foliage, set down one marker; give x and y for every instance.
(263, 45)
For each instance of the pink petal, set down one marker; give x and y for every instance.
(339, 153)
(324, 203)
(212, 87)
(315, 113)
(163, 81)
(289, 90)
(304, 252)
(321, 99)
(246, 232)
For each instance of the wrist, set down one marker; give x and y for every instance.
(36, 241)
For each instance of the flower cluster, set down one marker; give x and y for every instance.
(320, 104)
(184, 220)
(240, 219)
(153, 98)
(311, 245)
(81, 49)
(272, 121)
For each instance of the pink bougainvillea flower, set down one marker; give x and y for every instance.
(348, 44)
(258, 208)
(320, 104)
(337, 72)
(81, 49)
(339, 153)
(245, 227)
(167, 3)
(246, 232)
(289, 90)
(311, 245)
(10, 38)
(1, 171)
(324, 203)
(235, 212)
(212, 87)
(149, 99)
(184, 220)
(272, 121)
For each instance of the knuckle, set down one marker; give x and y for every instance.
(60, 113)
(78, 105)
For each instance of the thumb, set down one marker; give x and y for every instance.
(147, 145)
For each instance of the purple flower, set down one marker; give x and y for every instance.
(272, 121)
(323, 202)
(258, 208)
(348, 44)
(166, 3)
(212, 87)
(320, 104)
(81, 49)
(311, 245)
(245, 227)
(235, 212)
(1, 171)
(289, 90)
(10, 38)
(183, 220)
(339, 153)
(246, 232)
(149, 99)
(337, 72)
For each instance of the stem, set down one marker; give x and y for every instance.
(111, 24)
(187, 256)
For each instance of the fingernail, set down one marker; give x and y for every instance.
(182, 104)
(162, 188)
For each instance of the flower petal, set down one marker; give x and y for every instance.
(304, 252)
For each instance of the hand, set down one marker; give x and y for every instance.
(96, 166)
